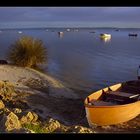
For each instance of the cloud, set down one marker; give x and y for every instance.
(70, 14)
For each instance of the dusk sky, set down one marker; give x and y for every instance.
(69, 16)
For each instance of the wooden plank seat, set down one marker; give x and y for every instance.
(121, 97)
(130, 88)
(101, 103)
(115, 98)
(122, 94)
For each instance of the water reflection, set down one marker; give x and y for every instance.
(77, 60)
(72, 73)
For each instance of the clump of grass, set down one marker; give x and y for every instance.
(37, 128)
(27, 52)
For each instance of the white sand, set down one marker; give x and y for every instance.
(59, 102)
(19, 75)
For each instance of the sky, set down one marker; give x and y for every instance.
(69, 16)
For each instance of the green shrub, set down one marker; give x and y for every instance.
(27, 52)
(36, 128)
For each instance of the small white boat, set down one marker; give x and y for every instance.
(20, 32)
(106, 39)
(133, 34)
(68, 30)
(105, 35)
(61, 34)
(76, 30)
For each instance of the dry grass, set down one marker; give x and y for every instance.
(27, 51)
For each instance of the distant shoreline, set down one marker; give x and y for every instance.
(43, 28)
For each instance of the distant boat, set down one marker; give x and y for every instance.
(61, 34)
(20, 32)
(47, 30)
(76, 30)
(92, 32)
(131, 34)
(68, 30)
(105, 35)
(117, 30)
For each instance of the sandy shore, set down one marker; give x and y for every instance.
(19, 76)
(46, 95)
(49, 97)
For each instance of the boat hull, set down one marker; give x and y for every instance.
(105, 36)
(109, 115)
(133, 35)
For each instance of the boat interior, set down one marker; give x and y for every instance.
(129, 92)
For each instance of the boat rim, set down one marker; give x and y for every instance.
(92, 106)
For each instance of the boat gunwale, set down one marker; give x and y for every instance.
(106, 106)
(93, 106)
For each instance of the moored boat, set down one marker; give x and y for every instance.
(20, 32)
(105, 35)
(68, 30)
(115, 104)
(76, 30)
(131, 34)
(61, 34)
(92, 32)
(117, 30)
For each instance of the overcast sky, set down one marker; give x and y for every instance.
(65, 16)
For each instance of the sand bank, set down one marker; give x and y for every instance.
(19, 76)
(46, 95)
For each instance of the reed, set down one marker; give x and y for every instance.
(27, 52)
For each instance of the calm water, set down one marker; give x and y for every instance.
(81, 59)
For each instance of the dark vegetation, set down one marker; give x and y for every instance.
(27, 52)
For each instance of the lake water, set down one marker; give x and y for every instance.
(81, 59)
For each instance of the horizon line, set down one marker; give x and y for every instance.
(1, 28)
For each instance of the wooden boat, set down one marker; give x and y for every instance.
(115, 104)
(105, 35)
(133, 35)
